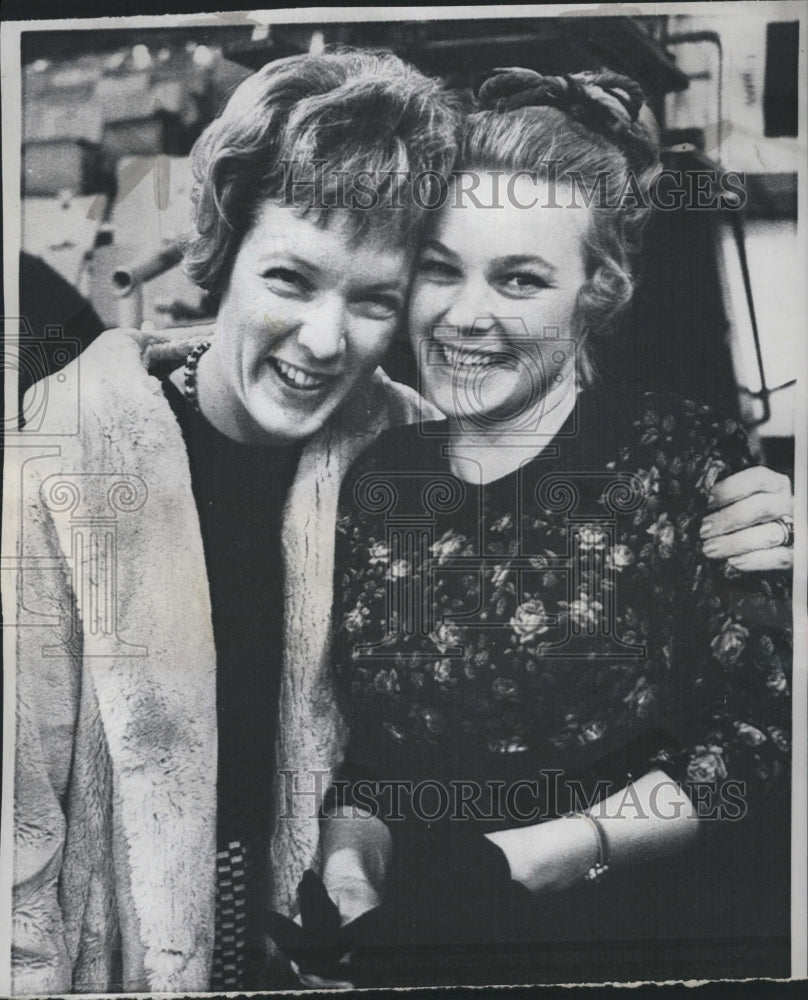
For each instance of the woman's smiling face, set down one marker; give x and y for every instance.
(307, 314)
(494, 298)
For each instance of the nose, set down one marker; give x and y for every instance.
(469, 311)
(324, 330)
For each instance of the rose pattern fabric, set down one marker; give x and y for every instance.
(716, 667)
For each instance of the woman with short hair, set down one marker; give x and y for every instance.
(180, 546)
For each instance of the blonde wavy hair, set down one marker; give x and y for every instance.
(587, 127)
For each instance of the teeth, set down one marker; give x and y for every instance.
(465, 358)
(300, 378)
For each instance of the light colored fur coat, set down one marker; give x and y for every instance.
(115, 788)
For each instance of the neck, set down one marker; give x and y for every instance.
(485, 456)
(216, 405)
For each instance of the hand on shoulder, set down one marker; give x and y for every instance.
(751, 521)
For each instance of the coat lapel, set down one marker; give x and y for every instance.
(142, 597)
(154, 668)
(311, 733)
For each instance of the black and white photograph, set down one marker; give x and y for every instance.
(404, 506)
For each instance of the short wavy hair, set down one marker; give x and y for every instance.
(345, 112)
(529, 138)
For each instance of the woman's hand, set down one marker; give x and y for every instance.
(748, 525)
(349, 886)
(313, 941)
(357, 851)
(319, 941)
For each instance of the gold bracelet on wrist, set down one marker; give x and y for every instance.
(601, 865)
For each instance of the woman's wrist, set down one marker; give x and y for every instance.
(551, 856)
(649, 819)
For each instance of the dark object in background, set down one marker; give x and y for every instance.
(675, 336)
(780, 89)
(160, 133)
(57, 323)
(54, 165)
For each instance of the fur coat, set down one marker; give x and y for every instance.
(115, 784)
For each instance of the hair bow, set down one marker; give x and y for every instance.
(616, 99)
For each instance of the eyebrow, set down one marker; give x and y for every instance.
(517, 260)
(511, 260)
(273, 256)
(398, 285)
(433, 244)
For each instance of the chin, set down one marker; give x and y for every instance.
(291, 421)
(440, 396)
(460, 401)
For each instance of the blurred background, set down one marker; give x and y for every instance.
(109, 117)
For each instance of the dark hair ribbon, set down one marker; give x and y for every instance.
(604, 101)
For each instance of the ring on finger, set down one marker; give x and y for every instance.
(786, 525)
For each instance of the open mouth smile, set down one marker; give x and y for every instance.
(468, 359)
(296, 378)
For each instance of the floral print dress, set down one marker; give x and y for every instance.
(561, 620)
(564, 608)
